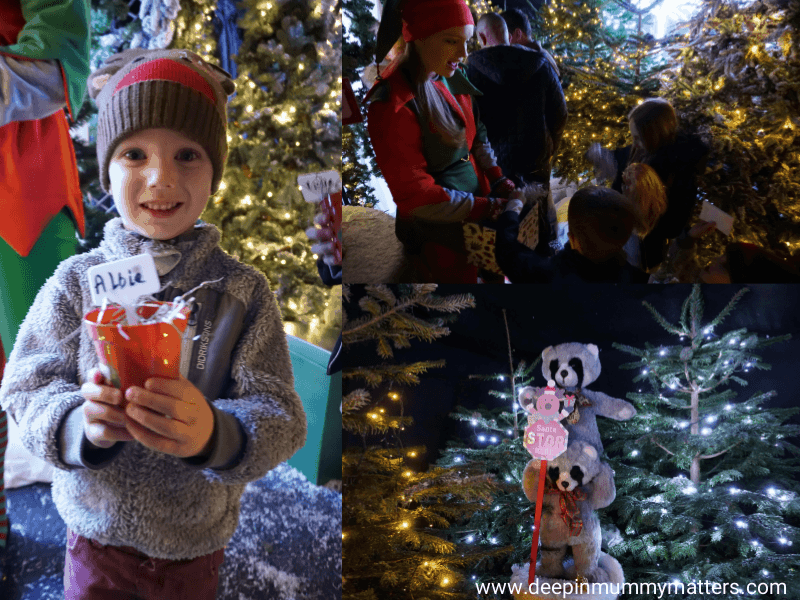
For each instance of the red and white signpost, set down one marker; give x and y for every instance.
(545, 439)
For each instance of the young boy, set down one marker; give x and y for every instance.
(600, 222)
(150, 489)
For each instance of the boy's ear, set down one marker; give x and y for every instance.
(111, 65)
(225, 79)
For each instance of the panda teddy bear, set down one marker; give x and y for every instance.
(574, 366)
(577, 484)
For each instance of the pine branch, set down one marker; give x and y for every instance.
(695, 310)
(720, 453)
(355, 400)
(730, 306)
(662, 321)
(406, 374)
(664, 448)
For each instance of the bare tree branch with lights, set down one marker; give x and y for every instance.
(706, 488)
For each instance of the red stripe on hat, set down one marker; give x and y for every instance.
(168, 70)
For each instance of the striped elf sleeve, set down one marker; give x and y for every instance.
(3, 444)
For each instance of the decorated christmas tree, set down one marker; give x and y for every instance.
(494, 446)
(734, 80)
(394, 517)
(706, 481)
(284, 121)
(606, 62)
(359, 51)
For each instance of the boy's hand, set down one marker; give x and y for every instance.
(324, 238)
(170, 416)
(103, 417)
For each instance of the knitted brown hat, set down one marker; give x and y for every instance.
(173, 89)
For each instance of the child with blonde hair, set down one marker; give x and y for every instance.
(642, 185)
(676, 156)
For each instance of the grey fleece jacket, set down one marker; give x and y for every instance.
(129, 495)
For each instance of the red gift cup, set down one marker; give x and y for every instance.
(131, 354)
(331, 206)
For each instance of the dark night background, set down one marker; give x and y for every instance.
(540, 316)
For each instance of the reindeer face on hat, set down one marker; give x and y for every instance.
(149, 89)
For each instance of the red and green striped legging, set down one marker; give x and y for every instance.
(3, 444)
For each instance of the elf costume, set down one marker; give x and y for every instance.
(3, 445)
(39, 188)
(436, 187)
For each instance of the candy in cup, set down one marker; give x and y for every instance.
(130, 354)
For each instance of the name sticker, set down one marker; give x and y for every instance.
(124, 281)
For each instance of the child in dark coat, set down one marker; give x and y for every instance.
(600, 222)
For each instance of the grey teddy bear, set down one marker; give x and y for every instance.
(573, 366)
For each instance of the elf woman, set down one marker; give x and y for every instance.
(429, 144)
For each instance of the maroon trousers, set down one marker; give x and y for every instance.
(96, 572)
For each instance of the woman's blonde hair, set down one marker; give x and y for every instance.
(648, 193)
(656, 124)
(433, 108)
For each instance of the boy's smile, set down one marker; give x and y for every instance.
(161, 182)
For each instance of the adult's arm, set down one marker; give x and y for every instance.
(29, 89)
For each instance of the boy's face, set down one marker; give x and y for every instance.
(161, 182)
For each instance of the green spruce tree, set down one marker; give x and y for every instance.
(358, 164)
(734, 80)
(393, 516)
(495, 448)
(606, 63)
(285, 120)
(706, 487)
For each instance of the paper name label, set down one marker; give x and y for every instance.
(723, 220)
(315, 186)
(124, 281)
